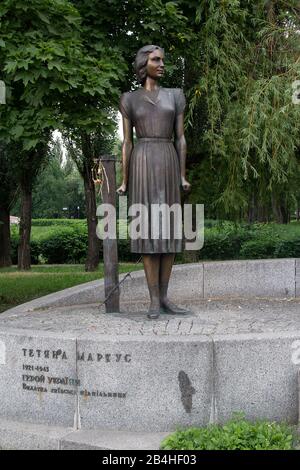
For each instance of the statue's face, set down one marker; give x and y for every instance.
(155, 64)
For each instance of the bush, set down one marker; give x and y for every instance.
(223, 244)
(14, 240)
(34, 249)
(66, 245)
(60, 222)
(288, 248)
(271, 246)
(257, 249)
(125, 253)
(65, 241)
(237, 434)
(209, 223)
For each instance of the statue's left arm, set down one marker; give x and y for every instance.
(180, 145)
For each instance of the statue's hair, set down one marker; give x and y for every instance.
(141, 59)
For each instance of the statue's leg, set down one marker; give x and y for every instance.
(151, 266)
(166, 264)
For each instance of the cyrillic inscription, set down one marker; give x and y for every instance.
(38, 377)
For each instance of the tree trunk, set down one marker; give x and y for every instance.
(5, 255)
(251, 209)
(262, 215)
(280, 209)
(25, 228)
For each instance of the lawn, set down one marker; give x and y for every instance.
(19, 287)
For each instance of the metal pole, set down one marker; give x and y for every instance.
(110, 246)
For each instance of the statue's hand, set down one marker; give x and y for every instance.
(122, 189)
(185, 184)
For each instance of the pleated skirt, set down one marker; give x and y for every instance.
(155, 219)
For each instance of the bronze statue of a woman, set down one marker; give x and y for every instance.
(154, 169)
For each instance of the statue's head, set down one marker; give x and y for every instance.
(149, 61)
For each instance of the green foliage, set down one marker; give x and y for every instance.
(225, 240)
(34, 250)
(65, 246)
(222, 245)
(272, 241)
(65, 241)
(65, 62)
(237, 434)
(52, 82)
(60, 244)
(58, 186)
(259, 248)
(61, 241)
(288, 248)
(250, 241)
(47, 70)
(130, 25)
(58, 222)
(241, 115)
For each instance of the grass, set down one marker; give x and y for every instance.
(18, 287)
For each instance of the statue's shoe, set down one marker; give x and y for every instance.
(152, 314)
(172, 309)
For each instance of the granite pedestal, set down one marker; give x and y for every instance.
(87, 376)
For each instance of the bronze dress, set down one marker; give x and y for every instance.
(154, 167)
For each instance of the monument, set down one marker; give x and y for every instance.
(71, 378)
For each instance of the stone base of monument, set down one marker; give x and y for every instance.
(24, 436)
(72, 376)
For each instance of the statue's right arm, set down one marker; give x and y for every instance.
(127, 147)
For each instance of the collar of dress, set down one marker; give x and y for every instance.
(147, 96)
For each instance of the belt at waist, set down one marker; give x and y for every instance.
(153, 139)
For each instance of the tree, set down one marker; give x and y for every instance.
(243, 63)
(58, 186)
(46, 69)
